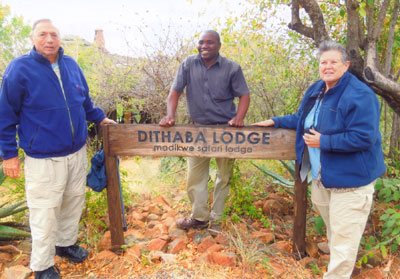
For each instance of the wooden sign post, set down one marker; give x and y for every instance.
(199, 141)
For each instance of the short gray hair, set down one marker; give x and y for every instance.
(39, 21)
(330, 45)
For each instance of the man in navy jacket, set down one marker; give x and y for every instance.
(44, 98)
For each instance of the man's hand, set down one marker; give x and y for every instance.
(265, 123)
(167, 121)
(236, 122)
(312, 140)
(107, 121)
(12, 167)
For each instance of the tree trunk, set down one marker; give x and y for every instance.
(394, 150)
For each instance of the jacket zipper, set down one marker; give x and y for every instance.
(66, 103)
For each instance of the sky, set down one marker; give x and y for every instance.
(122, 20)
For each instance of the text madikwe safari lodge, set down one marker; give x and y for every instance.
(202, 141)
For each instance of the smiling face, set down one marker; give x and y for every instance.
(332, 67)
(46, 40)
(208, 47)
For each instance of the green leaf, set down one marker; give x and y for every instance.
(396, 215)
(384, 251)
(11, 209)
(7, 232)
(342, 12)
(362, 11)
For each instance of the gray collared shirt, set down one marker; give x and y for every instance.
(210, 91)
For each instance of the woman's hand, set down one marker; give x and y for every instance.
(312, 139)
(265, 123)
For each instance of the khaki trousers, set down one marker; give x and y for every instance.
(197, 187)
(345, 215)
(55, 191)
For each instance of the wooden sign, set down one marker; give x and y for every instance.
(202, 141)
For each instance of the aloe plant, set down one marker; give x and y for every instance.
(7, 232)
(280, 180)
(2, 175)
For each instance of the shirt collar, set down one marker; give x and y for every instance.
(218, 61)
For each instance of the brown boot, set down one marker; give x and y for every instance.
(191, 223)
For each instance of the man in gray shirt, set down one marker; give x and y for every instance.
(212, 82)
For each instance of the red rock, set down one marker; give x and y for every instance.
(154, 209)
(169, 221)
(228, 259)
(276, 269)
(157, 245)
(176, 246)
(161, 200)
(135, 250)
(205, 244)
(5, 257)
(259, 204)
(324, 259)
(137, 224)
(273, 207)
(221, 239)
(266, 237)
(311, 248)
(136, 216)
(23, 259)
(105, 242)
(375, 273)
(215, 248)
(105, 255)
(17, 272)
(282, 246)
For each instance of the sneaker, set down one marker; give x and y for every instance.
(215, 228)
(51, 273)
(324, 247)
(74, 253)
(191, 223)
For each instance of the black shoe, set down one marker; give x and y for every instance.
(51, 273)
(74, 253)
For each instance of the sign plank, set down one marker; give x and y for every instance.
(202, 141)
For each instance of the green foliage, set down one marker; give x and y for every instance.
(13, 36)
(388, 238)
(241, 201)
(388, 189)
(2, 175)
(319, 224)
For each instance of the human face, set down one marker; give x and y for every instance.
(46, 40)
(208, 47)
(332, 67)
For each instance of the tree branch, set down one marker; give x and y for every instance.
(296, 24)
(379, 22)
(389, 49)
(318, 32)
(354, 42)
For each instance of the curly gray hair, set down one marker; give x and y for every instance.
(330, 45)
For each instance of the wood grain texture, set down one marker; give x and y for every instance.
(202, 141)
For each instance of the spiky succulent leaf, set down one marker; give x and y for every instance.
(11, 209)
(7, 233)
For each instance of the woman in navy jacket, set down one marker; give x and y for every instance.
(338, 137)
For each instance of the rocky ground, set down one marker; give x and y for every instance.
(156, 248)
